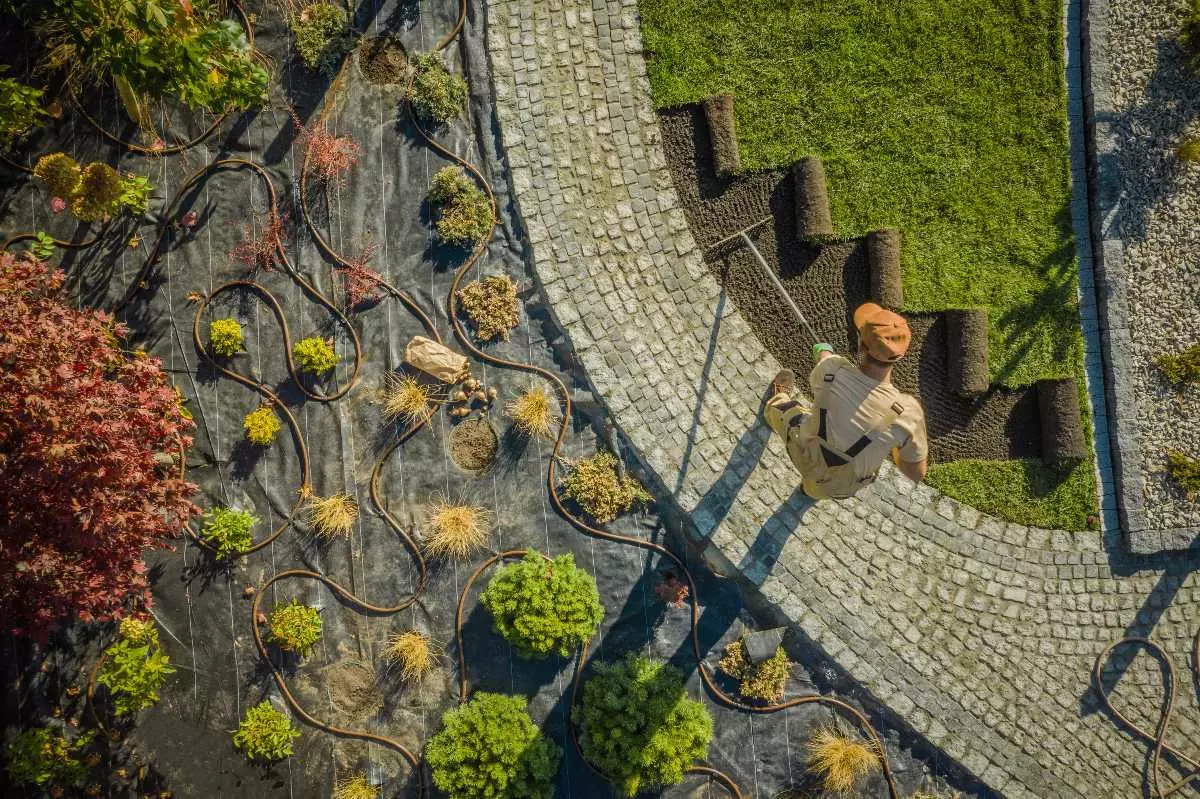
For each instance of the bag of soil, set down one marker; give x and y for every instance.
(435, 359)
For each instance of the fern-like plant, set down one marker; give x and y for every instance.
(228, 531)
(135, 667)
(41, 756)
(265, 734)
(490, 748)
(437, 96)
(261, 426)
(315, 355)
(600, 491)
(638, 726)
(225, 337)
(542, 606)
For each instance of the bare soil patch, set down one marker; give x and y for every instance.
(382, 60)
(473, 444)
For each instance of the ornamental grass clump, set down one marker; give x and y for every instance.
(261, 426)
(534, 412)
(436, 95)
(464, 212)
(225, 337)
(1186, 471)
(406, 398)
(334, 515)
(135, 667)
(840, 761)
(357, 787)
(542, 606)
(456, 529)
(490, 748)
(595, 485)
(228, 531)
(491, 303)
(323, 36)
(414, 652)
(41, 756)
(314, 355)
(1180, 367)
(295, 627)
(265, 734)
(764, 681)
(638, 726)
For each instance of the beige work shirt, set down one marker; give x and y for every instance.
(856, 406)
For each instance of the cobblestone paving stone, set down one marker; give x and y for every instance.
(978, 634)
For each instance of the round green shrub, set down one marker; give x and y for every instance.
(323, 36)
(228, 531)
(489, 748)
(261, 426)
(60, 172)
(225, 336)
(98, 193)
(638, 726)
(542, 606)
(315, 355)
(40, 756)
(265, 733)
(295, 627)
(437, 96)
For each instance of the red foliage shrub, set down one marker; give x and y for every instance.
(328, 155)
(673, 591)
(84, 486)
(258, 250)
(361, 283)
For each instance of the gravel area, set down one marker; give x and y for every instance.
(1157, 98)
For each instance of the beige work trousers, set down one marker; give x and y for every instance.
(785, 414)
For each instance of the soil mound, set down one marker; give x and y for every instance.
(382, 60)
(473, 444)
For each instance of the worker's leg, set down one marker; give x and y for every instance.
(786, 405)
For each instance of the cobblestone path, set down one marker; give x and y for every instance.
(978, 634)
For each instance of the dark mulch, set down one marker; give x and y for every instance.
(827, 282)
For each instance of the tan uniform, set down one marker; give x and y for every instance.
(839, 441)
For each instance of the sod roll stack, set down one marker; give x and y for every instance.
(967, 351)
(1062, 427)
(883, 255)
(813, 221)
(722, 134)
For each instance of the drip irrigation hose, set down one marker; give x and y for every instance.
(1158, 737)
(16, 238)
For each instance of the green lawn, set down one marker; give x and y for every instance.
(945, 118)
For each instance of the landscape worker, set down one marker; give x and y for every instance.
(857, 417)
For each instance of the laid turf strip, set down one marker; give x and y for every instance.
(828, 282)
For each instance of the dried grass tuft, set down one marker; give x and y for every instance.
(534, 412)
(839, 760)
(357, 787)
(416, 653)
(333, 516)
(406, 398)
(456, 529)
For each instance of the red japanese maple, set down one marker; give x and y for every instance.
(89, 446)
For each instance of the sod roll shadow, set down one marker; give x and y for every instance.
(1062, 426)
(967, 351)
(722, 134)
(883, 255)
(813, 221)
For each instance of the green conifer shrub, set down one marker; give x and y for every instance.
(464, 213)
(542, 606)
(265, 734)
(490, 748)
(637, 725)
(323, 36)
(599, 490)
(437, 96)
(1180, 367)
(1186, 471)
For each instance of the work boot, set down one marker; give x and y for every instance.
(784, 382)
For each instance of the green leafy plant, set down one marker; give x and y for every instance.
(225, 337)
(765, 681)
(1180, 367)
(135, 667)
(491, 303)
(135, 194)
(436, 96)
(295, 627)
(1186, 471)
(20, 110)
(60, 172)
(542, 606)
(464, 213)
(41, 756)
(599, 490)
(43, 246)
(315, 355)
(265, 733)
(95, 191)
(638, 726)
(228, 531)
(261, 426)
(489, 748)
(323, 36)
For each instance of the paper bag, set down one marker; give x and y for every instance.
(435, 359)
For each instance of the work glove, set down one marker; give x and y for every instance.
(817, 349)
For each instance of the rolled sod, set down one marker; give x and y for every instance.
(883, 255)
(813, 222)
(1062, 426)
(722, 134)
(967, 351)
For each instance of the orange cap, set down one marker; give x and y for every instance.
(884, 333)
